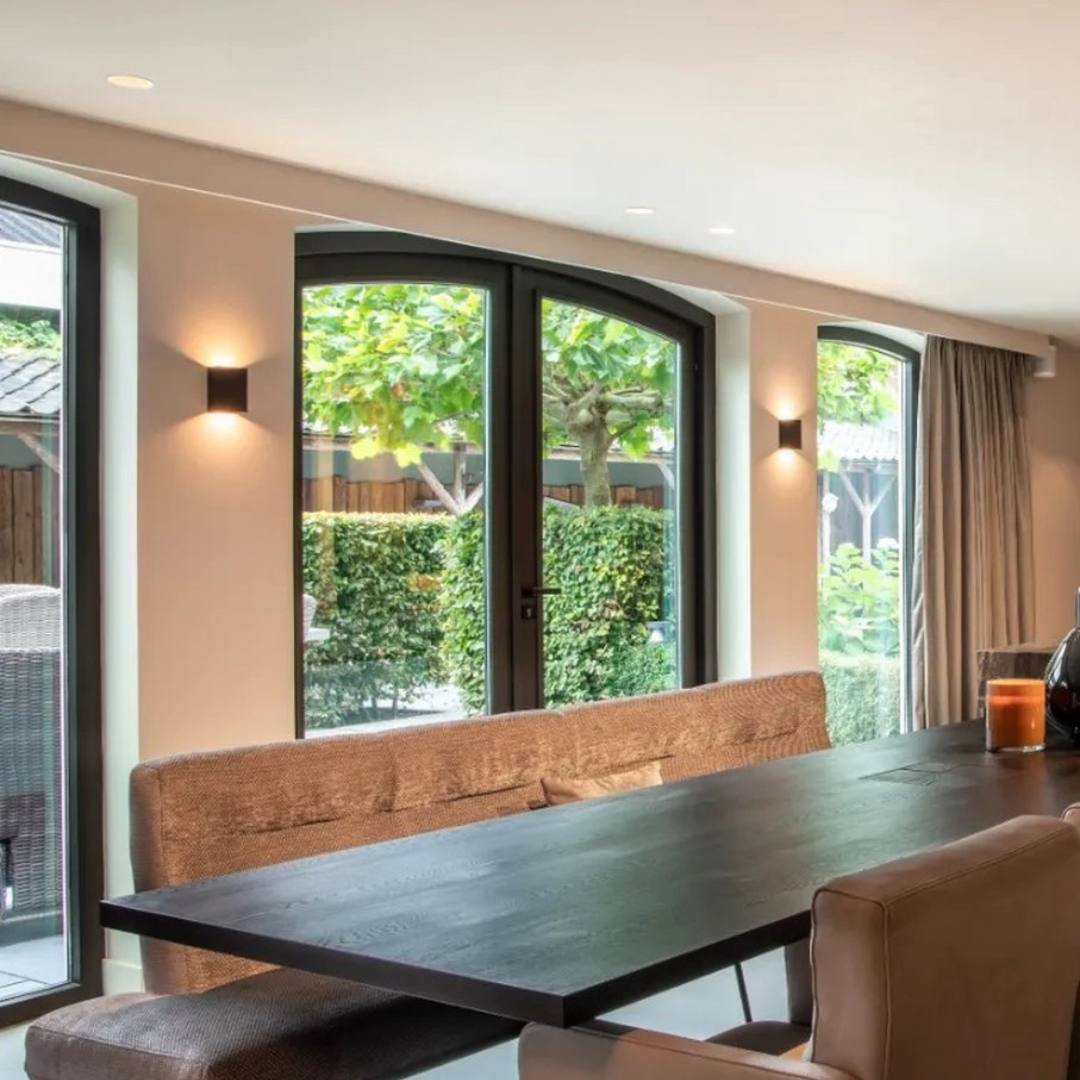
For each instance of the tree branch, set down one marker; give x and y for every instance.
(624, 429)
(46, 455)
(475, 496)
(650, 401)
(436, 486)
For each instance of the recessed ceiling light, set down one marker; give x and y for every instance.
(641, 211)
(722, 230)
(130, 82)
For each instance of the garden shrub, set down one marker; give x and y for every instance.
(375, 578)
(863, 696)
(859, 633)
(859, 602)
(609, 562)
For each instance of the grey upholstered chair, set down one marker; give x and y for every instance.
(955, 964)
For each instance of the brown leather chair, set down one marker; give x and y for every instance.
(953, 965)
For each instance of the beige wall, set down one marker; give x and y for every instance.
(783, 486)
(1054, 434)
(215, 492)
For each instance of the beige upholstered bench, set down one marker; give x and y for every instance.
(214, 1017)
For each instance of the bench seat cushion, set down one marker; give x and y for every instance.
(278, 1024)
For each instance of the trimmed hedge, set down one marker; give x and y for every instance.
(609, 563)
(862, 695)
(376, 578)
(403, 598)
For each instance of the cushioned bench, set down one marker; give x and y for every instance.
(209, 1016)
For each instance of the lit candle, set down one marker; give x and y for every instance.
(1015, 715)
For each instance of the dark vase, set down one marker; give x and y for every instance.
(1063, 683)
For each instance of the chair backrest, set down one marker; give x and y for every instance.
(960, 963)
(205, 814)
(30, 619)
(15, 588)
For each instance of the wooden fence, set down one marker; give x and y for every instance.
(414, 496)
(21, 546)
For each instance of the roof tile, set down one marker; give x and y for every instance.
(29, 385)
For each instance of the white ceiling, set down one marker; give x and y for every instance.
(925, 150)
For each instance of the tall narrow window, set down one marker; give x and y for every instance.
(865, 386)
(50, 843)
(393, 497)
(503, 485)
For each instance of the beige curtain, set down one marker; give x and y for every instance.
(973, 582)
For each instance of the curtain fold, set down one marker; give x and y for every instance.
(973, 583)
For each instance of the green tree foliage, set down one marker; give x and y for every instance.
(606, 383)
(39, 337)
(400, 367)
(859, 603)
(854, 384)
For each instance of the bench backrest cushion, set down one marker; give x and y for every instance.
(204, 814)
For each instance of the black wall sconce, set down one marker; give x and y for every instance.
(790, 434)
(227, 389)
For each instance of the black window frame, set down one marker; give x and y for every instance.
(911, 361)
(81, 416)
(515, 284)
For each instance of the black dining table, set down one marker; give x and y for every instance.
(566, 913)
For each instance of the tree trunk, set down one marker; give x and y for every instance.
(594, 443)
(458, 488)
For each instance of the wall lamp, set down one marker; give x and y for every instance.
(227, 389)
(790, 434)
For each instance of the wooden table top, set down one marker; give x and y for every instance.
(566, 913)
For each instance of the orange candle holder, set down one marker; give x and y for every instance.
(1015, 715)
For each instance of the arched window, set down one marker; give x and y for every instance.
(867, 389)
(504, 483)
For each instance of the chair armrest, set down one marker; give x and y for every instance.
(603, 1051)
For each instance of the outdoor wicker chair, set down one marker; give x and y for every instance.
(30, 803)
(30, 747)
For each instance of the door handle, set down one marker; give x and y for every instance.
(530, 600)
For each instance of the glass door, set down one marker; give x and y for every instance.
(609, 522)
(50, 840)
(503, 486)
